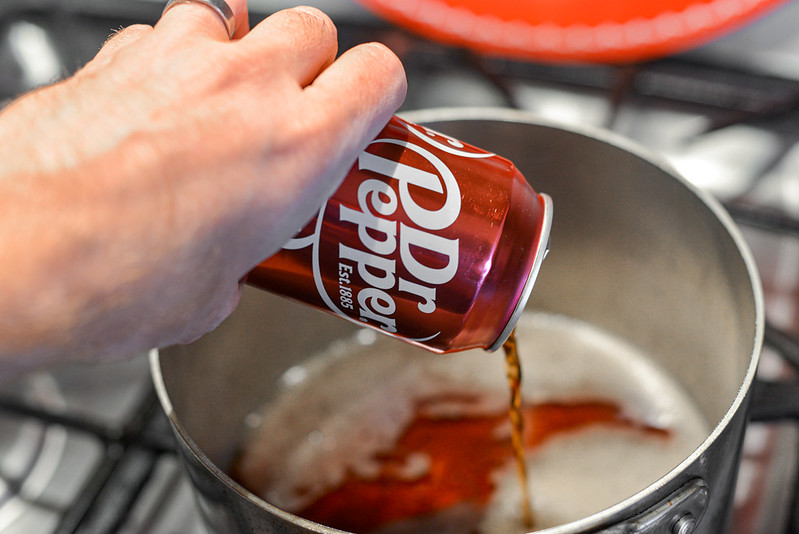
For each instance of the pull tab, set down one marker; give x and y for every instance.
(680, 513)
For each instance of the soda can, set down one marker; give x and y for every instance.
(427, 239)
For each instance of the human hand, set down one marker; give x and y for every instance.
(136, 194)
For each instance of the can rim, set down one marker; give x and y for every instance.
(540, 253)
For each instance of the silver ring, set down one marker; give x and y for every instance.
(220, 7)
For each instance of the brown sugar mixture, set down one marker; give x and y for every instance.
(462, 454)
(375, 437)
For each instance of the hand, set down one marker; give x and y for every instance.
(136, 194)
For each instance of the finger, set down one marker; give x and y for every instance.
(195, 18)
(363, 87)
(357, 95)
(301, 41)
(242, 15)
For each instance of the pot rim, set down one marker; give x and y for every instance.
(598, 519)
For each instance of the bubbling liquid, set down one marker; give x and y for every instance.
(375, 436)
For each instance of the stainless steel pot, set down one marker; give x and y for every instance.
(635, 250)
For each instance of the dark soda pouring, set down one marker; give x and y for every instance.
(513, 369)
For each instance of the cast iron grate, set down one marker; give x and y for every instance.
(130, 454)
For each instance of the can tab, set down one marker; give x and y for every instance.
(680, 513)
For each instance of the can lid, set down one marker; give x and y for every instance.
(541, 251)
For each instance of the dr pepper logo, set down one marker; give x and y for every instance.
(386, 245)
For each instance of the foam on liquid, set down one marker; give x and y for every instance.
(336, 413)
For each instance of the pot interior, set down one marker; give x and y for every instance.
(634, 251)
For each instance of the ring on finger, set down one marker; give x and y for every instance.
(220, 7)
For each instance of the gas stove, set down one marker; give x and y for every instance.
(86, 449)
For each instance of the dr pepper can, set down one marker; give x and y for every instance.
(428, 239)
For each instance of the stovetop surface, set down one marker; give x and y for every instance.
(86, 448)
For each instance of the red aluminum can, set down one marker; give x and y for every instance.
(428, 239)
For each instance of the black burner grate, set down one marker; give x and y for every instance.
(130, 454)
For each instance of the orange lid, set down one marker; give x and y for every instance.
(572, 30)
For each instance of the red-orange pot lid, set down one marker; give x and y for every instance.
(572, 30)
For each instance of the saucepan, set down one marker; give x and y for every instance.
(635, 251)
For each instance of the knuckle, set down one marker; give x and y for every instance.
(313, 15)
(128, 33)
(313, 20)
(137, 29)
(383, 55)
(383, 66)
